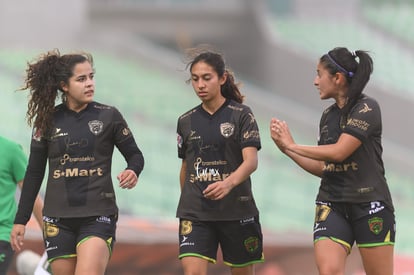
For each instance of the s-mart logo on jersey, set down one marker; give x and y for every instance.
(76, 172)
(340, 167)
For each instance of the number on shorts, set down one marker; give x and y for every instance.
(322, 212)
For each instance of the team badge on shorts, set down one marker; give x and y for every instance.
(251, 244)
(227, 129)
(375, 225)
(95, 126)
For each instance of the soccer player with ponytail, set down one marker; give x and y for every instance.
(218, 142)
(354, 203)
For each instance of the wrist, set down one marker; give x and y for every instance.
(291, 147)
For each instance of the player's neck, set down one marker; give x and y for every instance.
(213, 105)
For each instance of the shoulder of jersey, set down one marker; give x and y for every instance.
(101, 106)
(188, 113)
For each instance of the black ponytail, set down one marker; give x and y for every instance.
(357, 73)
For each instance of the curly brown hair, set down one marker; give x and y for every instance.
(44, 79)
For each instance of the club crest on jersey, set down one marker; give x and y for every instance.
(95, 126)
(227, 129)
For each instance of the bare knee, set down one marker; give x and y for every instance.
(247, 270)
(194, 266)
(330, 269)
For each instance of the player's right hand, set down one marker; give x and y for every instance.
(17, 236)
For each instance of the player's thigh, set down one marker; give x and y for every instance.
(95, 243)
(330, 256)
(63, 266)
(92, 256)
(378, 260)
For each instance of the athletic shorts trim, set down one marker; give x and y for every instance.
(211, 260)
(62, 257)
(341, 242)
(375, 244)
(107, 241)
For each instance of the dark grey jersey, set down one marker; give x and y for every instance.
(361, 177)
(79, 149)
(211, 146)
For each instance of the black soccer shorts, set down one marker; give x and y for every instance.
(62, 235)
(241, 241)
(368, 224)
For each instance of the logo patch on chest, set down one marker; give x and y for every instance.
(95, 126)
(227, 129)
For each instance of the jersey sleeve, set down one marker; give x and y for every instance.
(33, 178)
(180, 141)
(126, 144)
(250, 136)
(120, 127)
(364, 120)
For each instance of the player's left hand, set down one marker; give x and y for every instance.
(217, 190)
(127, 179)
(280, 133)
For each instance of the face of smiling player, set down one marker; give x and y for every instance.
(80, 88)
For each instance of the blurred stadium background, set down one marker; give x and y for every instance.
(272, 46)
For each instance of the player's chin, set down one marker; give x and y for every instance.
(203, 96)
(323, 97)
(88, 100)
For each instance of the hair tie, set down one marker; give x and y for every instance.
(342, 69)
(353, 53)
